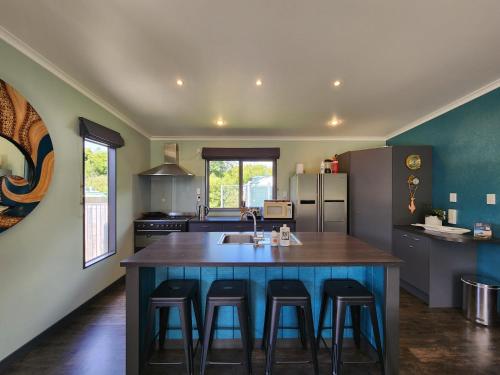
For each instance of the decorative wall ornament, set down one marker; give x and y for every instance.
(413, 162)
(21, 125)
(412, 187)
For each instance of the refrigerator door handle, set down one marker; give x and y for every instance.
(321, 207)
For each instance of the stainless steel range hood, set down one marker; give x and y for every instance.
(171, 165)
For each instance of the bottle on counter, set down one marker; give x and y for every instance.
(275, 236)
(322, 168)
(285, 235)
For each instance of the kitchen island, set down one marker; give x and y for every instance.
(321, 256)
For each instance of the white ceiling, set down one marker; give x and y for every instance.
(399, 60)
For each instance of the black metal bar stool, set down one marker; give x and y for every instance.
(227, 293)
(347, 292)
(180, 294)
(282, 293)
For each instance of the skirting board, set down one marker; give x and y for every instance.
(23, 350)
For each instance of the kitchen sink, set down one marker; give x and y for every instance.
(227, 238)
(247, 239)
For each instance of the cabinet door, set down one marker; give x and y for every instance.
(243, 226)
(268, 225)
(205, 227)
(414, 250)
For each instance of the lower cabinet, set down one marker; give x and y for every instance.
(432, 268)
(238, 226)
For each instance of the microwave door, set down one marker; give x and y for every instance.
(274, 211)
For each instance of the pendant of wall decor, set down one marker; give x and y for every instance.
(413, 162)
(412, 187)
(26, 157)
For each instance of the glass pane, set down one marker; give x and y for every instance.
(96, 200)
(224, 184)
(257, 182)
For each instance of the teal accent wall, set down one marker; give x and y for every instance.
(466, 161)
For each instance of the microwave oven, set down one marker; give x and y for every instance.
(277, 209)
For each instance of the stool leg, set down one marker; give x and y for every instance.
(197, 315)
(356, 324)
(263, 346)
(187, 334)
(302, 326)
(207, 332)
(214, 324)
(321, 323)
(148, 336)
(245, 334)
(163, 326)
(250, 331)
(310, 330)
(274, 323)
(339, 337)
(376, 333)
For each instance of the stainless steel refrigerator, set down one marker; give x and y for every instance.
(320, 202)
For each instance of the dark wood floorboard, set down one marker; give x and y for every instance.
(433, 341)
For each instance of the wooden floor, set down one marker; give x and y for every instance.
(433, 341)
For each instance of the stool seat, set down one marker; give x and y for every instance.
(287, 289)
(180, 294)
(348, 293)
(347, 289)
(281, 293)
(227, 293)
(175, 290)
(228, 290)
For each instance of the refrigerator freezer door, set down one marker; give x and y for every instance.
(334, 203)
(304, 195)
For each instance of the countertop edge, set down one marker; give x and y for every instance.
(448, 237)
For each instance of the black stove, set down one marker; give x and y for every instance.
(151, 226)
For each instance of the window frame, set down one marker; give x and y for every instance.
(112, 193)
(240, 161)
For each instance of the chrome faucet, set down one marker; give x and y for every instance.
(255, 237)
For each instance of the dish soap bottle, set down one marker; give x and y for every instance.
(285, 235)
(275, 236)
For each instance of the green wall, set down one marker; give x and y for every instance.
(466, 157)
(41, 275)
(310, 153)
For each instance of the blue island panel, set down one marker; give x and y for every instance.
(258, 277)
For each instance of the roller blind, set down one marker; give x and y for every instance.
(219, 153)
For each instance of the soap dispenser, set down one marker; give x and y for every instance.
(285, 235)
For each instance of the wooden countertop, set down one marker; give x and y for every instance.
(459, 238)
(202, 249)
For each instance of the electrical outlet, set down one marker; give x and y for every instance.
(491, 199)
(452, 216)
(453, 197)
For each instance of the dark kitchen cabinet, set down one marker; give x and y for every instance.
(205, 227)
(378, 191)
(433, 265)
(238, 226)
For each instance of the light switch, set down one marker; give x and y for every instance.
(453, 197)
(452, 216)
(491, 199)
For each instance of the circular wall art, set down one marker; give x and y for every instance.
(413, 162)
(26, 157)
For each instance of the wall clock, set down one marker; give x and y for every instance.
(413, 162)
(26, 157)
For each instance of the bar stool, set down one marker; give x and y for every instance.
(180, 294)
(227, 293)
(282, 293)
(347, 292)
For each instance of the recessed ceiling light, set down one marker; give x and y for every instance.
(220, 122)
(337, 83)
(180, 82)
(258, 82)
(335, 121)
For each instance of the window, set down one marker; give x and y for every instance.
(99, 191)
(99, 199)
(239, 180)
